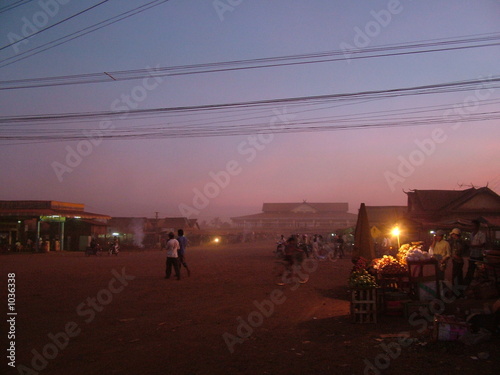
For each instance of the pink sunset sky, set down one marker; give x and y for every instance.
(445, 140)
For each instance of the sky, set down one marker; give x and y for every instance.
(386, 146)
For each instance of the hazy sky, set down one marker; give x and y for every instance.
(233, 175)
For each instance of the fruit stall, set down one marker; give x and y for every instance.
(408, 285)
(393, 285)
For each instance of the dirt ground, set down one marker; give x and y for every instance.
(118, 315)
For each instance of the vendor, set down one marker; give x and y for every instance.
(457, 260)
(441, 251)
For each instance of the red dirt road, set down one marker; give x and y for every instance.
(118, 315)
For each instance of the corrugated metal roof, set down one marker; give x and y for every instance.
(47, 208)
(33, 204)
(297, 216)
(435, 200)
(318, 207)
(50, 212)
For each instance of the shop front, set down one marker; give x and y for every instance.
(43, 226)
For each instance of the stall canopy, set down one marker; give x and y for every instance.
(46, 210)
(363, 241)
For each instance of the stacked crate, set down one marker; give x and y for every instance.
(364, 305)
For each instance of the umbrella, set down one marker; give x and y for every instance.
(363, 241)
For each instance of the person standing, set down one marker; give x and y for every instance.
(440, 250)
(340, 246)
(172, 247)
(293, 253)
(477, 245)
(386, 246)
(306, 244)
(183, 241)
(457, 260)
(315, 246)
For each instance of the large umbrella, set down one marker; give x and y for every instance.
(363, 241)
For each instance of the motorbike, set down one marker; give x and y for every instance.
(94, 249)
(114, 248)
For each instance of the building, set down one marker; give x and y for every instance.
(48, 225)
(446, 209)
(305, 217)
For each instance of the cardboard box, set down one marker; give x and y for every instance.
(448, 328)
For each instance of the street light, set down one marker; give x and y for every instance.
(395, 232)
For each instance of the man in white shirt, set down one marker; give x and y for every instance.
(172, 246)
(477, 245)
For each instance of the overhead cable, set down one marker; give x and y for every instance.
(14, 5)
(438, 45)
(80, 33)
(491, 83)
(53, 25)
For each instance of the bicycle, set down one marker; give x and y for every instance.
(280, 251)
(94, 250)
(325, 252)
(286, 272)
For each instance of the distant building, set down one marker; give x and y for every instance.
(302, 217)
(48, 225)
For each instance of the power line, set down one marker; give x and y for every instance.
(431, 46)
(87, 30)
(397, 92)
(14, 5)
(167, 131)
(12, 133)
(54, 25)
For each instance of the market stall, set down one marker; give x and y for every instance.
(395, 282)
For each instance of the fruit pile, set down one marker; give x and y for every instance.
(389, 265)
(360, 263)
(361, 279)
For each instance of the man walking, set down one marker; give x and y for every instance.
(172, 247)
(182, 250)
